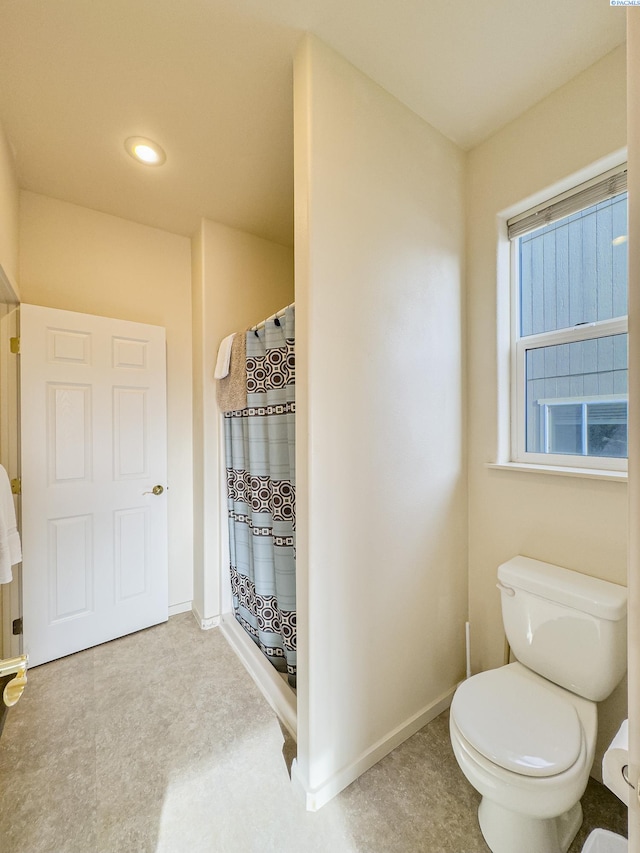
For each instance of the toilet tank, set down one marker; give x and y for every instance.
(566, 626)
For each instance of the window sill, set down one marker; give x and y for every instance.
(560, 471)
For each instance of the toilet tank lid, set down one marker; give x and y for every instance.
(600, 598)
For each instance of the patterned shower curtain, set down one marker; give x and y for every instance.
(260, 460)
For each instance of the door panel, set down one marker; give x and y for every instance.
(93, 422)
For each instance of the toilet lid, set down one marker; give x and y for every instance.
(517, 723)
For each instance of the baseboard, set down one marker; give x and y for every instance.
(205, 624)
(184, 607)
(315, 799)
(271, 684)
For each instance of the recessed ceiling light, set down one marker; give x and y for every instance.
(145, 151)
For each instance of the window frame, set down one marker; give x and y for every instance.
(521, 345)
(585, 403)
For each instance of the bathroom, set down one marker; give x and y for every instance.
(462, 519)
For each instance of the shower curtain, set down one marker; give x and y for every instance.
(260, 462)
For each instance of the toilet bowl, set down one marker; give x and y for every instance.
(530, 774)
(524, 734)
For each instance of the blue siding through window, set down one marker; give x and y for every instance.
(571, 272)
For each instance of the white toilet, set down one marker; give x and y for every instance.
(524, 735)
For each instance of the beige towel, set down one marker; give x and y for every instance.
(231, 391)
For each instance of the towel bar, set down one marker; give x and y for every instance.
(9, 666)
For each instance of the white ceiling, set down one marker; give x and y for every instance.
(211, 81)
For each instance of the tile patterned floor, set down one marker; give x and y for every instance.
(161, 743)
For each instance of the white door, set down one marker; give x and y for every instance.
(93, 447)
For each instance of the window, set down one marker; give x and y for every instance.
(569, 362)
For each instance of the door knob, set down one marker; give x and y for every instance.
(156, 490)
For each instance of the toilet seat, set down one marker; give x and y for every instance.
(540, 797)
(517, 723)
(534, 796)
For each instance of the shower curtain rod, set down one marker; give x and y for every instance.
(275, 316)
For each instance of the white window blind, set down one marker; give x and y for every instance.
(584, 196)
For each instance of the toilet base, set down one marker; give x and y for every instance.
(506, 831)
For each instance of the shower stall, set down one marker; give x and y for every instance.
(259, 462)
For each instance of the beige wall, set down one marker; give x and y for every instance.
(381, 514)
(80, 260)
(577, 523)
(238, 280)
(633, 101)
(9, 196)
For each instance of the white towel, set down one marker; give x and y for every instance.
(224, 357)
(10, 547)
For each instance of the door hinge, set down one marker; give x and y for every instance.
(17, 626)
(14, 345)
(16, 486)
